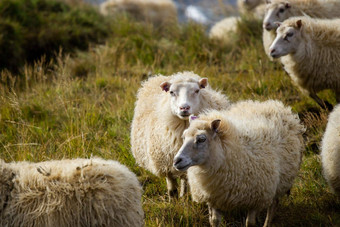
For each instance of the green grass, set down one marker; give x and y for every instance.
(31, 29)
(82, 106)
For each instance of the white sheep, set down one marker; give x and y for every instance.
(161, 115)
(330, 152)
(246, 157)
(79, 192)
(157, 12)
(280, 10)
(224, 30)
(310, 52)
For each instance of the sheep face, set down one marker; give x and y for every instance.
(185, 97)
(287, 40)
(250, 4)
(197, 144)
(276, 12)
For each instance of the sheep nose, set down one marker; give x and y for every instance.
(266, 26)
(272, 52)
(177, 160)
(185, 108)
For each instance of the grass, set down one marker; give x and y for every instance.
(82, 106)
(31, 29)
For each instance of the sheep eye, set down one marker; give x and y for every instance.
(201, 139)
(290, 34)
(197, 91)
(281, 10)
(172, 93)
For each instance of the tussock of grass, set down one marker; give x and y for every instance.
(83, 105)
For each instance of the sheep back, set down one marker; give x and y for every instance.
(76, 192)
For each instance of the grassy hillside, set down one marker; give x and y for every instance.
(82, 106)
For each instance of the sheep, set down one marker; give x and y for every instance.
(254, 7)
(224, 30)
(310, 52)
(158, 12)
(245, 157)
(79, 192)
(280, 10)
(163, 106)
(330, 151)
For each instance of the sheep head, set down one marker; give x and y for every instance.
(276, 12)
(287, 40)
(185, 96)
(198, 142)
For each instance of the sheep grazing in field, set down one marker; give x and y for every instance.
(79, 192)
(245, 157)
(280, 10)
(157, 12)
(330, 152)
(161, 115)
(256, 8)
(310, 52)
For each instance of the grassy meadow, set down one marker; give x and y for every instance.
(81, 105)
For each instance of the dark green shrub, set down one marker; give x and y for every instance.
(32, 28)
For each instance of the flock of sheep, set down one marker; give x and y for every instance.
(231, 155)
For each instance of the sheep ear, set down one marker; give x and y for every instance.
(192, 118)
(215, 124)
(299, 23)
(203, 82)
(278, 23)
(287, 5)
(165, 86)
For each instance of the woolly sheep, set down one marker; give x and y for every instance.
(310, 52)
(79, 192)
(280, 10)
(158, 12)
(245, 157)
(161, 114)
(224, 29)
(330, 152)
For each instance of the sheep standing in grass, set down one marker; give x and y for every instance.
(161, 115)
(158, 12)
(330, 154)
(245, 157)
(77, 192)
(225, 29)
(280, 10)
(310, 52)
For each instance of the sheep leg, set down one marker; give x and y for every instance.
(251, 218)
(172, 186)
(323, 104)
(214, 217)
(183, 187)
(270, 213)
